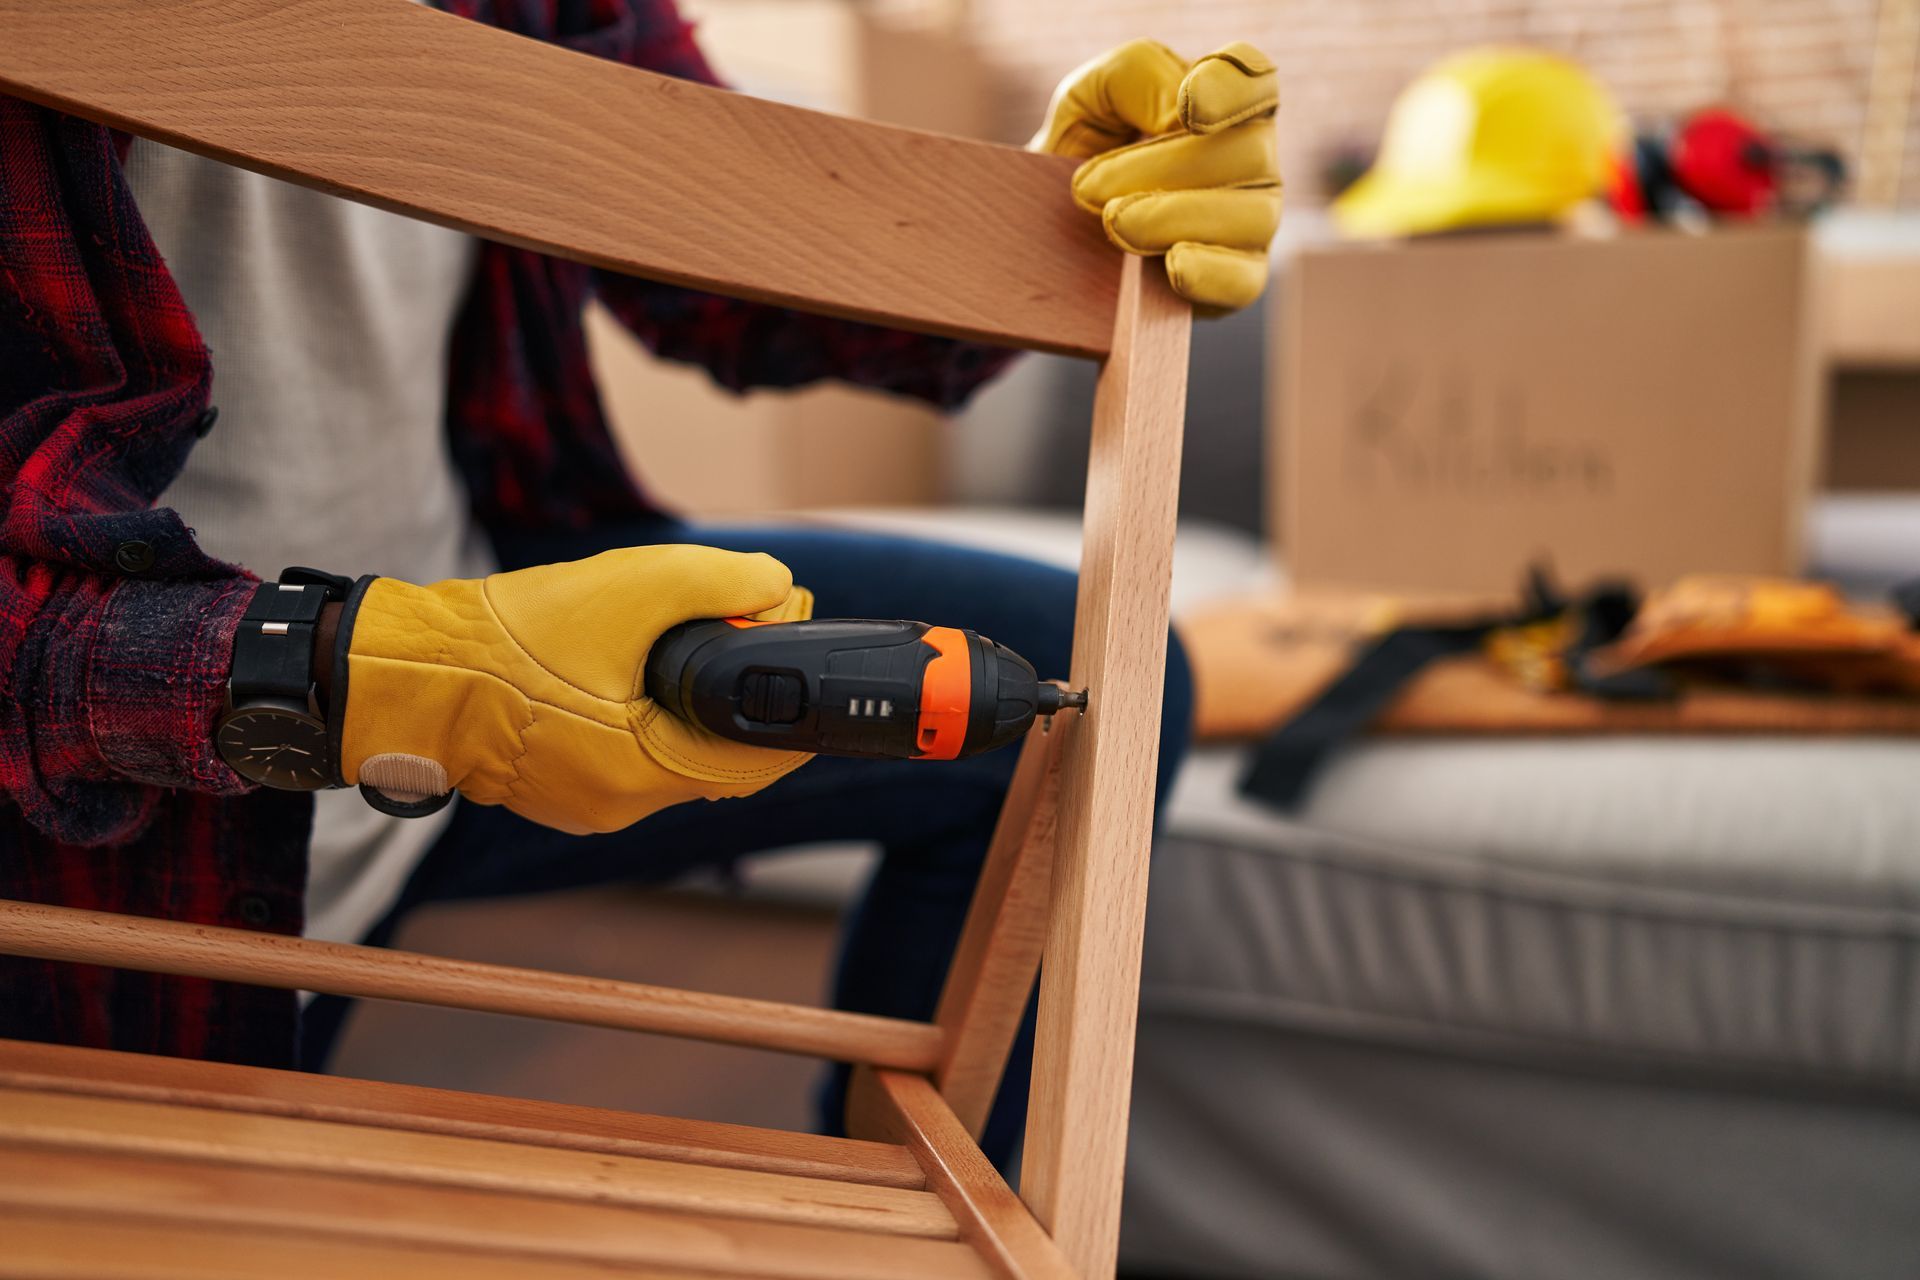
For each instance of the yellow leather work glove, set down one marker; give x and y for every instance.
(1180, 161)
(527, 689)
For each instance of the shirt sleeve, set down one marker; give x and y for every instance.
(749, 344)
(116, 631)
(115, 685)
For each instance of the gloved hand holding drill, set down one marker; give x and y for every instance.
(525, 689)
(586, 696)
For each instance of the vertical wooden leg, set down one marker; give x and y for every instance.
(998, 956)
(1090, 982)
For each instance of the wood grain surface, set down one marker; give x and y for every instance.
(184, 1191)
(992, 1218)
(304, 964)
(66, 1122)
(396, 105)
(1090, 980)
(142, 1077)
(994, 965)
(60, 1246)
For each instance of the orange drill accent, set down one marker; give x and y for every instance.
(946, 692)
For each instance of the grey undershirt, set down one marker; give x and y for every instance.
(329, 324)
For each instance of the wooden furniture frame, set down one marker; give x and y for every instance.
(115, 1164)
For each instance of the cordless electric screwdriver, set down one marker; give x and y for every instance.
(850, 686)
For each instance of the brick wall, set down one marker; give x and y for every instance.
(1795, 65)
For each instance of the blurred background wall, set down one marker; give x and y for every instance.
(1842, 70)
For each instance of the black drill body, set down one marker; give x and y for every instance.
(850, 687)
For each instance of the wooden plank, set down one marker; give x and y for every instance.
(68, 1122)
(272, 960)
(991, 1217)
(402, 107)
(991, 977)
(1090, 981)
(148, 1078)
(221, 1195)
(35, 1246)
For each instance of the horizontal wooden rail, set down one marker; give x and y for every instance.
(68, 1123)
(102, 1246)
(121, 1187)
(305, 1095)
(304, 964)
(396, 105)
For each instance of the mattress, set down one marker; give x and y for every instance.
(1739, 907)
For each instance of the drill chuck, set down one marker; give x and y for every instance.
(851, 686)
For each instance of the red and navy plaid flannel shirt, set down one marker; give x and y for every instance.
(116, 629)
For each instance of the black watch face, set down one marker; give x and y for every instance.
(276, 747)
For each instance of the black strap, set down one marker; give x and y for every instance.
(273, 646)
(1285, 764)
(336, 584)
(1906, 598)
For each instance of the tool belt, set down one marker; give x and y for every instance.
(1769, 632)
(1706, 655)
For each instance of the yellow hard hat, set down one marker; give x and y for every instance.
(1487, 137)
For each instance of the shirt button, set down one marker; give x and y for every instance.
(134, 557)
(204, 423)
(254, 910)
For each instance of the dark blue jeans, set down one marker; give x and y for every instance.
(932, 821)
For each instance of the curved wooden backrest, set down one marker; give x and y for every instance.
(393, 104)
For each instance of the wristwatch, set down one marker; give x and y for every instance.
(274, 730)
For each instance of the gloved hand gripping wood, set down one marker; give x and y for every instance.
(525, 689)
(1180, 160)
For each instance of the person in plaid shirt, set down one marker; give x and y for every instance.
(118, 619)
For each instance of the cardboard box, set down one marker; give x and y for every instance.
(1453, 410)
(708, 452)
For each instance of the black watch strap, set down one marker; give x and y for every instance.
(301, 576)
(273, 649)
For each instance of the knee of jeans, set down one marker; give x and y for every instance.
(1176, 715)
